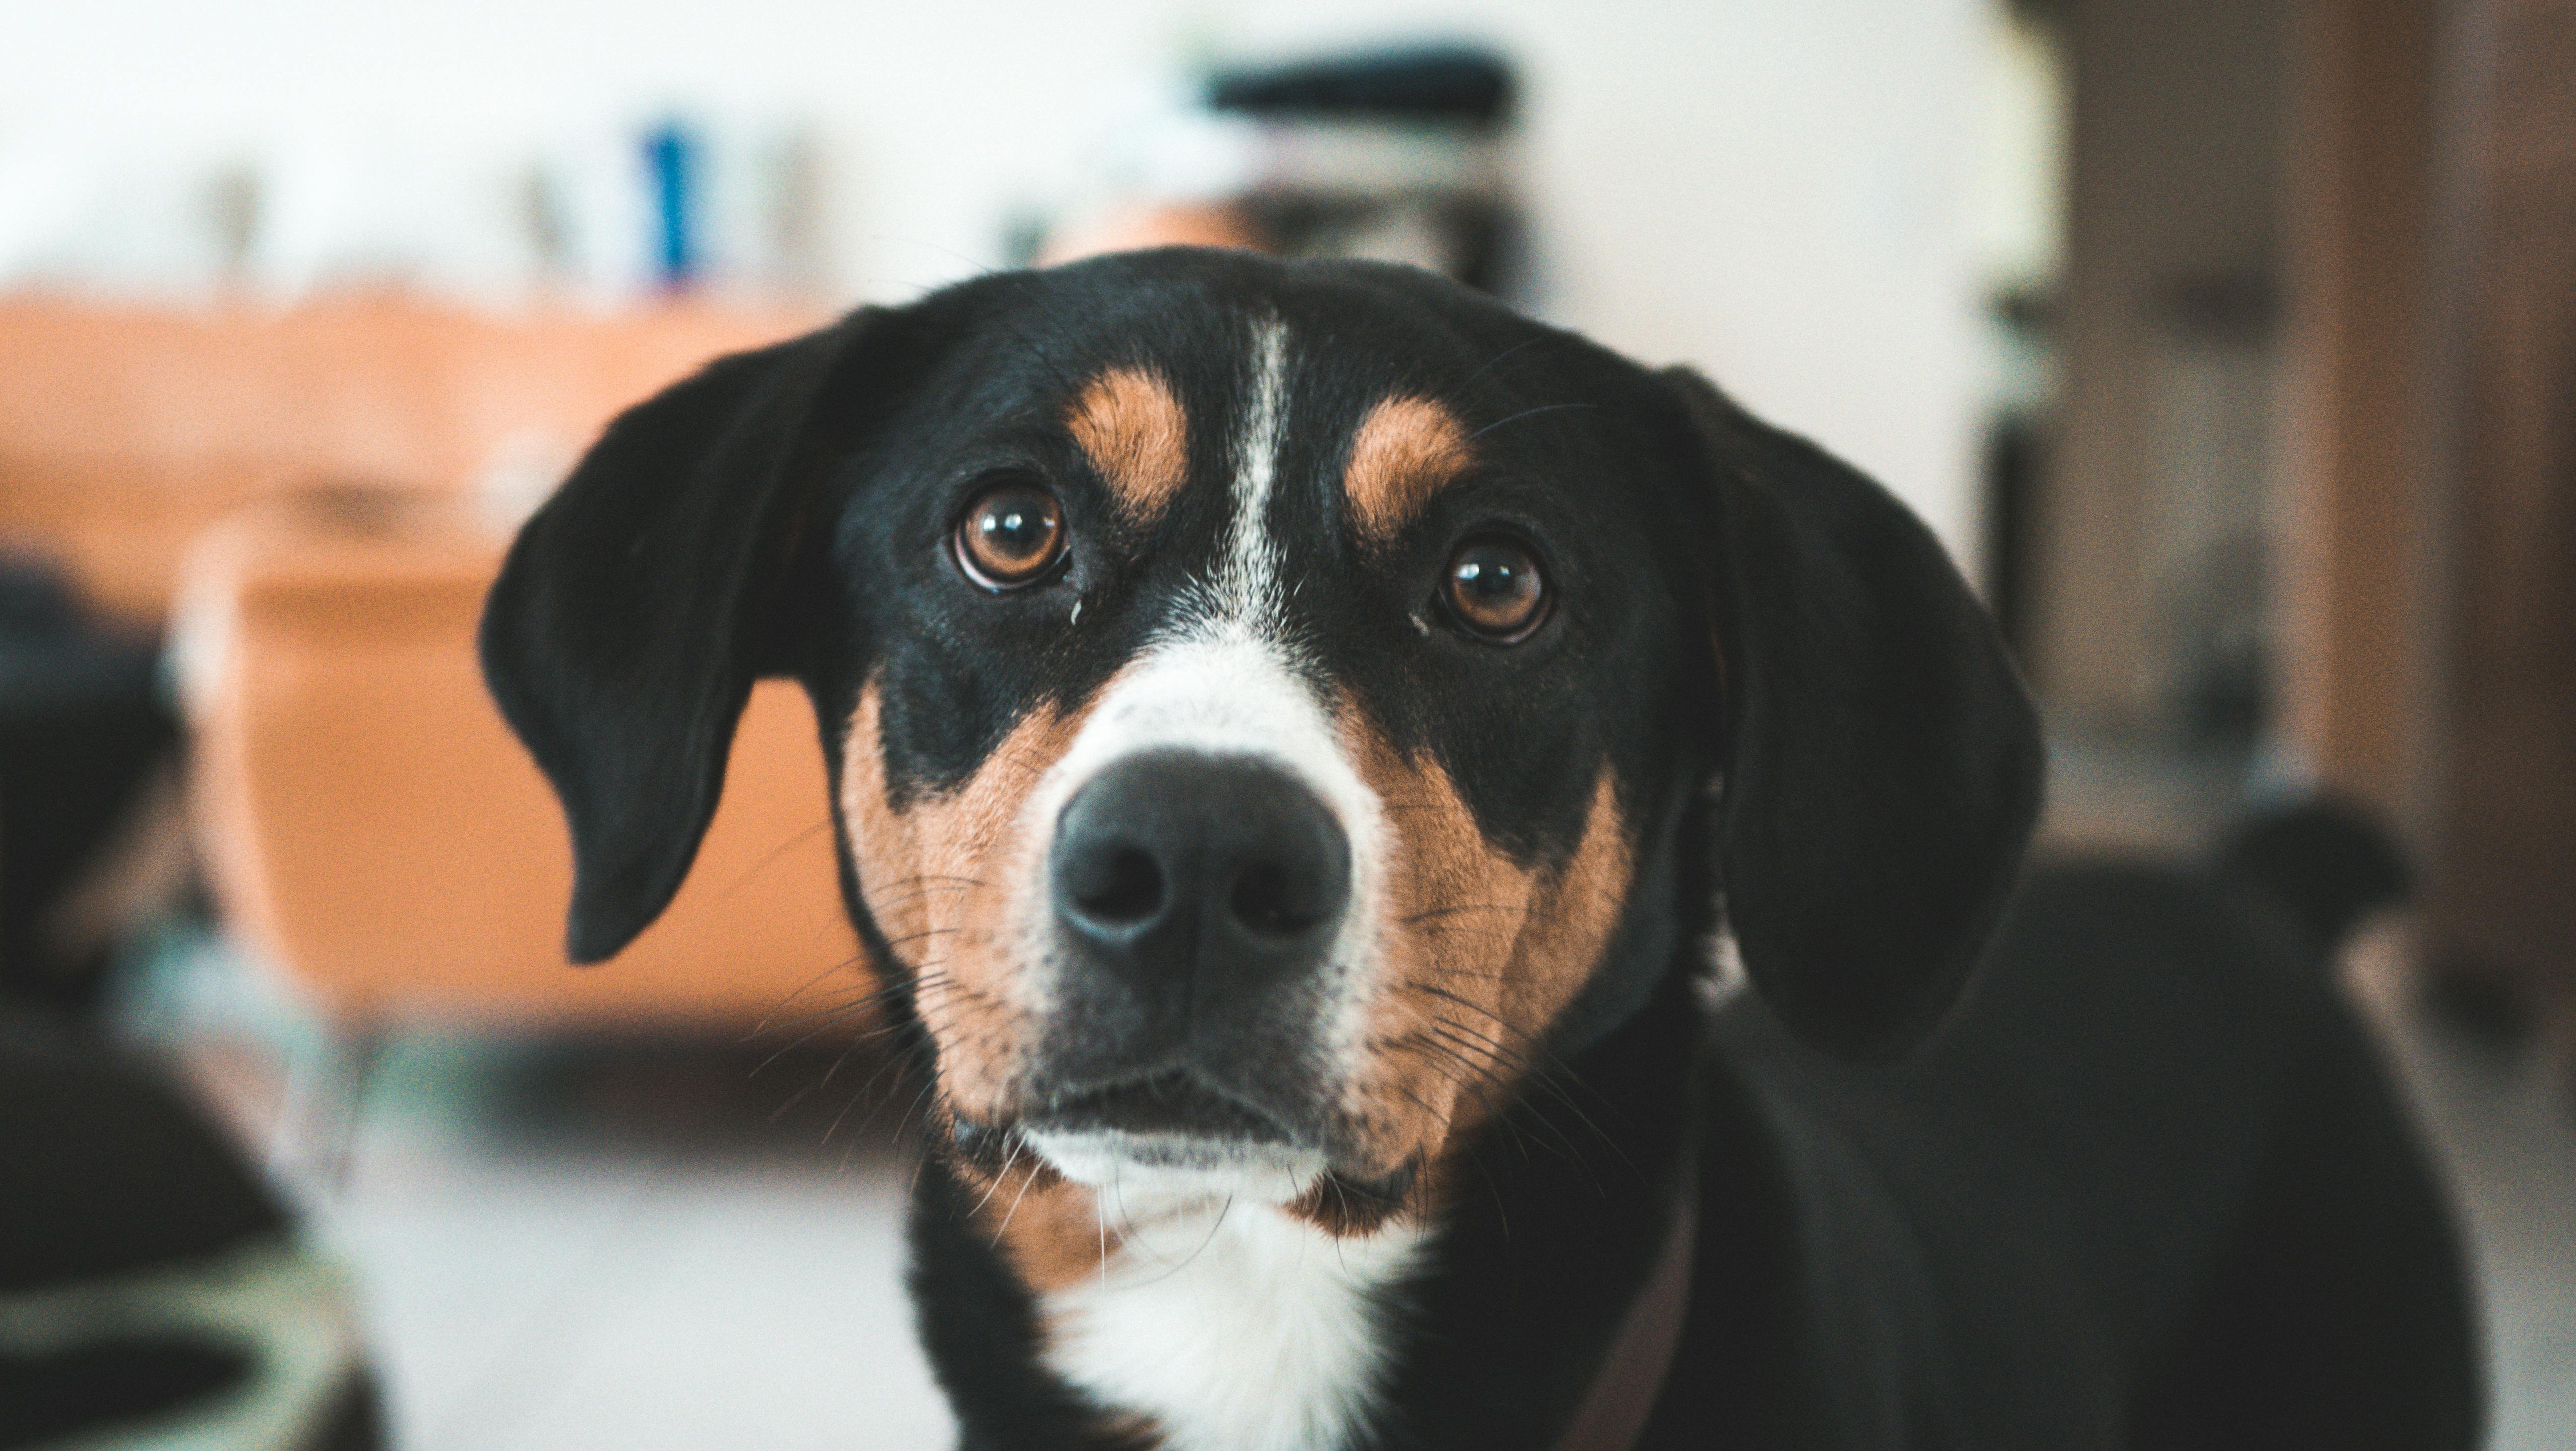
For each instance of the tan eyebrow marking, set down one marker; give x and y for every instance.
(1405, 451)
(1130, 425)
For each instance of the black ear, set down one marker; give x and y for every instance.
(639, 605)
(1883, 762)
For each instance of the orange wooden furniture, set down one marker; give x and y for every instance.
(370, 823)
(367, 821)
(125, 430)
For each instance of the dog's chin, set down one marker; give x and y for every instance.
(1173, 1135)
(1179, 1166)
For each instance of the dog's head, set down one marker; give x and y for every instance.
(1273, 708)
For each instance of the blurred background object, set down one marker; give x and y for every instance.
(152, 1290)
(1382, 155)
(88, 756)
(2230, 344)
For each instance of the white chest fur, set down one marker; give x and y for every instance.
(1237, 1329)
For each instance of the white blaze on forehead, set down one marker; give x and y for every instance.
(1221, 681)
(1244, 595)
(1226, 695)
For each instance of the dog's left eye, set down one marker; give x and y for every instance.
(1012, 535)
(1495, 588)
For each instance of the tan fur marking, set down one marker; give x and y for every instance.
(1133, 430)
(938, 878)
(1405, 451)
(1047, 1226)
(1454, 907)
(1581, 901)
(1479, 957)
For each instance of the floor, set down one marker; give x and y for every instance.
(2504, 1122)
(618, 1296)
(628, 1247)
(568, 1245)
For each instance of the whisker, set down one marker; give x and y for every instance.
(1526, 413)
(800, 992)
(1012, 1158)
(1496, 360)
(1465, 907)
(1013, 1212)
(824, 1019)
(894, 1060)
(880, 904)
(771, 860)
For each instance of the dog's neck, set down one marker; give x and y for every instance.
(1240, 1327)
(1233, 1325)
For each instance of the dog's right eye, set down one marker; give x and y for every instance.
(1011, 536)
(1496, 589)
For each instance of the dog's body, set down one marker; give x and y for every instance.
(1293, 729)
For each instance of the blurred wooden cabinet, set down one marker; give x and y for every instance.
(371, 825)
(2503, 894)
(365, 817)
(2432, 590)
(127, 429)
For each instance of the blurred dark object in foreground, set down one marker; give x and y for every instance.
(87, 799)
(150, 1284)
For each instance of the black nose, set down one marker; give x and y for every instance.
(1199, 879)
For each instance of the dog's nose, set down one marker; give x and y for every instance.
(1200, 879)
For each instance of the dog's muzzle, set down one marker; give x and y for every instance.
(1197, 899)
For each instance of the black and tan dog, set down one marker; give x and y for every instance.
(1301, 734)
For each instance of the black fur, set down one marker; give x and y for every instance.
(1883, 767)
(2149, 1188)
(2322, 861)
(638, 607)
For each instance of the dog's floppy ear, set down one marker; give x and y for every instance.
(637, 608)
(1882, 763)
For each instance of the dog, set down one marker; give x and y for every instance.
(1434, 870)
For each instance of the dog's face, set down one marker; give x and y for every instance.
(1271, 707)
(1259, 705)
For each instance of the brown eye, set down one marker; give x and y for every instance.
(1495, 589)
(1012, 535)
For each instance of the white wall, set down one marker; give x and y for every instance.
(1774, 189)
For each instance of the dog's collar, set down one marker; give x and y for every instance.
(1632, 1375)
